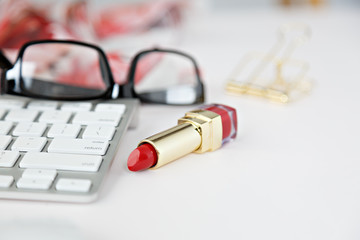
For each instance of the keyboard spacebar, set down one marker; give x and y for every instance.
(59, 161)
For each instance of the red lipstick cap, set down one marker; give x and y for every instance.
(228, 119)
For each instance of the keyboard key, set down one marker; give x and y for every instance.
(5, 127)
(108, 107)
(55, 117)
(2, 112)
(21, 115)
(76, 106)
(8, 158)
(30, 129)
(39, 173)
(78, 146)
(102, 118)
(99, 132)
(73, 185)
(59, 161)
(4, 141)
(42, 105)
(33, 183)
(64, 130)
(11, 104)
(6, 181)
(26, 144)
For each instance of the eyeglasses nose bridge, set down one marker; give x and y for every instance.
(4, 62)
(5, 65)
(2, 81)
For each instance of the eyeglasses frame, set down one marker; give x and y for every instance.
(126, 90)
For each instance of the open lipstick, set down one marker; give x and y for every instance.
(202, 130)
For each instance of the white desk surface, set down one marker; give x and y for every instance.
(292, 173)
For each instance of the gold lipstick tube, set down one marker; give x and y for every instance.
(198, 131)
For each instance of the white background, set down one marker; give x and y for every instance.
(293, 172)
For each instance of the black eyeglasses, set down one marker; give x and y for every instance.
(72, 70)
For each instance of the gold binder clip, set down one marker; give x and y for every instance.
(274, 75)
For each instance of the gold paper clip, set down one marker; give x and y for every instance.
(275, 75)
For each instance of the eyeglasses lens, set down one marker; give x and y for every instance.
(166, 77)
(63, 70)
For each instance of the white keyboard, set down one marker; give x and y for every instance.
(59, 151)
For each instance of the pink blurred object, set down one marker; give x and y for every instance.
(137, 18)
(20, 22)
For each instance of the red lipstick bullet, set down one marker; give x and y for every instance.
(202, 130)
(143, 157)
